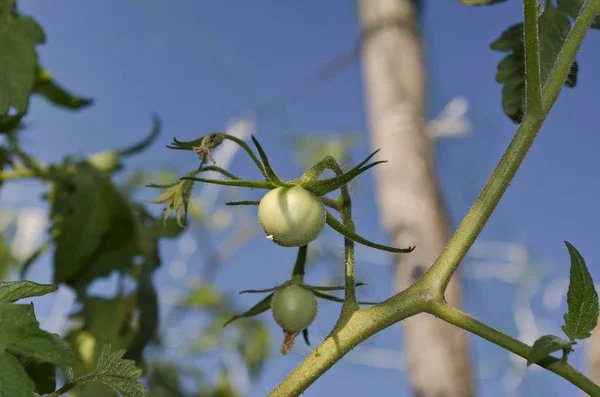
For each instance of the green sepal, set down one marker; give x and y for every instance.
(188, 145)
(260, 291)
(247, 202)
(340, 300)
(333, 288)
(159, 186)
(255, 310)
(339, 227)
(236, 182)
(323, 186)
(305, 336)
(270, 174)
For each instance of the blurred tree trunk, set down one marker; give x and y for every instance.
(437, 353)
(593, 356)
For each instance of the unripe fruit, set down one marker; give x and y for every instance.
(291, 217)
(294, 308)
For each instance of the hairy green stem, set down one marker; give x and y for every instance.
(533, 82)
(558, 366)
(300, 263)
(464, 237)
(68, 386)
(427, 295)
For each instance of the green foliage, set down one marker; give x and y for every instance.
(95, 225)
(13, 291)
(43, 375)
(573, 7)
(119, 374)
(28, 355)
(582, 314)
(18, 58)
(582, 299)
(554, 25)
(548, 344)
(14, 382)
(56, 94)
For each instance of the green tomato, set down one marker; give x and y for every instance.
(291, 217)
(294, 308)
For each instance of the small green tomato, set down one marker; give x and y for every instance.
(294, 308)
(291, 217)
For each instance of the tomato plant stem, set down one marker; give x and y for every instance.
(427, 295)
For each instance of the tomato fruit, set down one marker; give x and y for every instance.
(291, 217)
(294, 308)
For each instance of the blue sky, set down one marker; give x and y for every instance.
(199, 64)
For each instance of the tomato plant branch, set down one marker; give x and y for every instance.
(533, 82)
(300, 263)
(558, 366)
(464, 237)
(427, 295)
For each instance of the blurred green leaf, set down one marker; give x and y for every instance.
(81, 217)
(164, 380)
(49, 89)
(554, 25)
(573, 7)
(13, 379)
(202, 296)
(20, 334)
(96, 226)
(43, 376)
(15, 290)
(18, 59)
(102, 320)
(582, 299)
(10, 123)
(545, 345)
(7, 260)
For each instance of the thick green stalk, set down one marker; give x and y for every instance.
(464, 237)
(533, 83)
(427, 295)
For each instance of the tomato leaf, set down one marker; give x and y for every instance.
(548, 344)
(20, 334)
(18, 58)
(10, 123)
(46, 87)
(582, 299)
(15, 290)
(14, 381)
(119, 374)
(43, 376)
(554, 25)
